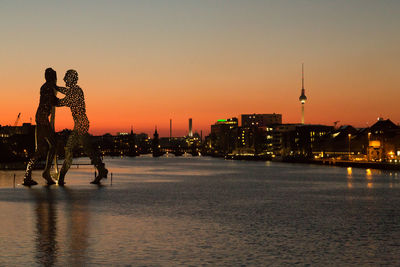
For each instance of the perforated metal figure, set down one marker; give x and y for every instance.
(45, 136)
(75, 100)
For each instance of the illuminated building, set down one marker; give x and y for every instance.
(16, 142)
(8, 131)
(281, 140)
(380, 142)
(302, 97)
(342, 142)
(299, 140)
(260, 120)
(253, 140)
(384, 141)
(143, 143)
(255, 134)
(132, 151)
(374, 150)
(245, 143)
(223, 136)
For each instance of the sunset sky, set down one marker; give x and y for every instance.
(142, 63)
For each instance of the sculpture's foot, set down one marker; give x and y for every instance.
(102, 175)
(51, 182)
(61, 182)
(29, 182)
(47, 177)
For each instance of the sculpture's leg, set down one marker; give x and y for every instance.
(95, 158)
(73, 140)
(50, 156)
(52, 123)
(41, 147)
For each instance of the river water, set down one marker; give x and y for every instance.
(203, 211)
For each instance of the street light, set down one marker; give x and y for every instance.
(349, 145)
(369, 142)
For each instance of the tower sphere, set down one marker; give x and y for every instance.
(303, 98)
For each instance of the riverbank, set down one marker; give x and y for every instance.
(359, 164)
(330, 162)
(249, 157)
(347, 163)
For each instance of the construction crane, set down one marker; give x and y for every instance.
(335, 124)
(17, 120)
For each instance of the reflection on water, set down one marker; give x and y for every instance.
(349, 177)
(349, 172)
(203, 211)
(368, 174)
(46, 229)
(369, 178)
(77, 227)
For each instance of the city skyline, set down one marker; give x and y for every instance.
(144, 63)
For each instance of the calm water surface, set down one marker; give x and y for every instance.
(203, 211)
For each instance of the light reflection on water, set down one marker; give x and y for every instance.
(194, 211)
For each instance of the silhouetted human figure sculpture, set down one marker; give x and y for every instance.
(75, 100)
(45, 135)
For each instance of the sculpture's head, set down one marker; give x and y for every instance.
(71, 78)
(50, 75)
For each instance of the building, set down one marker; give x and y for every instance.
(245, 142)
(8, 131)
(260, 120)
(281, 138)
(253, 140)
(384, 141)
(17, 143)
(155, 145)
(299, 140)
(223, 136)
(340, 143)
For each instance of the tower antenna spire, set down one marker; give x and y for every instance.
(302, 97)
(302, 75)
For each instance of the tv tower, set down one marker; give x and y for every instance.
(302, 97)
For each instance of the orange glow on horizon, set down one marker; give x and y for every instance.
(145, 105)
